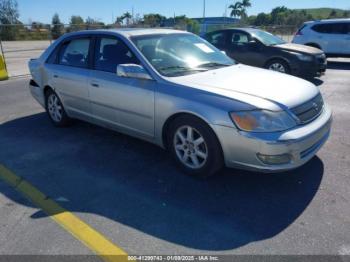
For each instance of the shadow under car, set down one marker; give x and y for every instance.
(134, 183)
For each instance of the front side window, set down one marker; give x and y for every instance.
(111, 52)
(75, 53)
(217, 39)
(239, 38)
(180, 54)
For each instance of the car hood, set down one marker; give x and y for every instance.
(251, 85)
(300, 48)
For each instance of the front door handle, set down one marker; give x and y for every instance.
(55, 76)
(95, 85)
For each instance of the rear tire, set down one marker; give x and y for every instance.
(194, 146)
(278, 65)
(55, 110)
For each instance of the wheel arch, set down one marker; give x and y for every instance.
(277, 58)
(47, 88)
(170, 119)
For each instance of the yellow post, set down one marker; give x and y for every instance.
(3, 70)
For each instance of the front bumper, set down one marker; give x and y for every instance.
(241, 149)
(317, 67)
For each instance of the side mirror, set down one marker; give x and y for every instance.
(133, 71)
(222, 51)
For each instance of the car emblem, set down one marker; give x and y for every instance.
(315, 106)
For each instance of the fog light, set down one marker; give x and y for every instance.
(275, 160)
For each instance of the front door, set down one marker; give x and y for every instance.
(125, 103)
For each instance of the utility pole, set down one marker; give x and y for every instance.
(204, 27)
(133, 17)
(204, 6)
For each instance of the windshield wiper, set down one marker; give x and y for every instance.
(213, 64)
(182, 68)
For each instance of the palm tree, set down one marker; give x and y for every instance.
(246, 4)
(236, 9)
(128, 17)
(239, 9)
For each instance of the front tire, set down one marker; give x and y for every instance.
(55, 110)
(195, 147)
(278, 65)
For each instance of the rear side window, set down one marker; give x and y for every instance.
(348, 28)
(75, 53)
(331, 28)
(111, 52)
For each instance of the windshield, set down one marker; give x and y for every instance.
(267, 38)
(180, 54)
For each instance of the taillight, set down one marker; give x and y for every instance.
(299, 33)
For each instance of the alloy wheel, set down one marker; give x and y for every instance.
(190, 147)
(55, 108)
(277, 67)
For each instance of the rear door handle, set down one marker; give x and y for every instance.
(55, 76)
(95, 85)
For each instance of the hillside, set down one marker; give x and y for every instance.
(323, 13)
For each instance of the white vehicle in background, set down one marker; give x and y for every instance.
(332, 36)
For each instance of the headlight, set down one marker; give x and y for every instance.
(302, 57)
(262, 121)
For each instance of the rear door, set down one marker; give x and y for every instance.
(68, 74)
(124, 103)
(333, 37)
(347, 38)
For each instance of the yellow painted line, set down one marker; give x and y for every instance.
(94, 240)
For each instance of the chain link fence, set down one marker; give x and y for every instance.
(20, 43)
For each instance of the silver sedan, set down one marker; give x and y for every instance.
(176, 90)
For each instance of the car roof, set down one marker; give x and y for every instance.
(130, 32)
(245, 29)
(328, 21)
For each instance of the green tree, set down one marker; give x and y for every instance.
(193, 26)
(76, 23)
(239, 9)
(246, 4)
(333, 14)
(119, 20)
(93, 23)
(153, 20)
(8, 17)
(127, 16)
(346, 14)
(236, 9)
(262, 19)
(278, 15)
(57, 27)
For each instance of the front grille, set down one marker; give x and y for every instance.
(310, 110)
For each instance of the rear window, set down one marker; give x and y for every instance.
(332, 28)
(302, 27)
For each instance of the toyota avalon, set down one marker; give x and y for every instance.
(176, 90)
